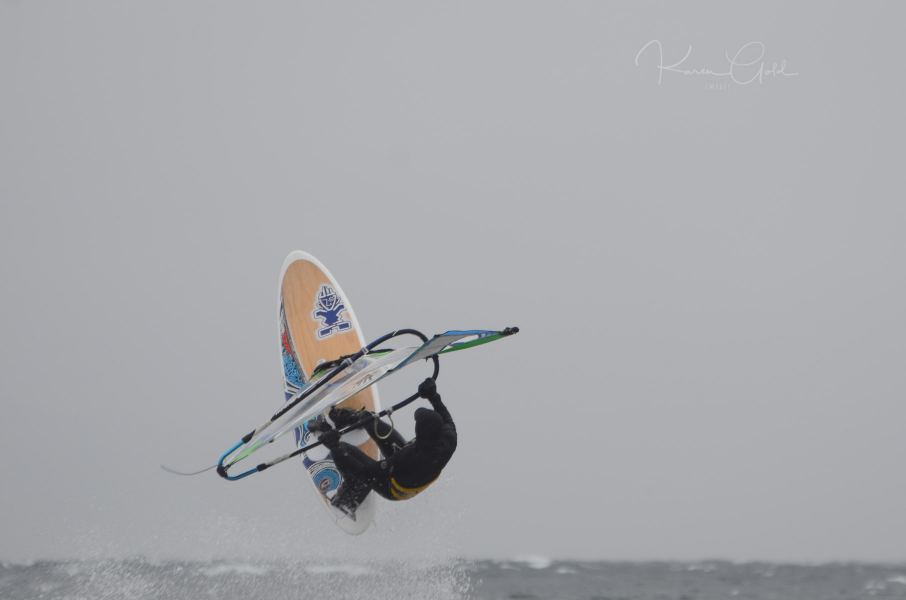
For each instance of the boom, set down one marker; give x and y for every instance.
(344, 378)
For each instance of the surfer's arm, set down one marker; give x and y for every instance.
(440, 408)
(448, 430)
(428, 391)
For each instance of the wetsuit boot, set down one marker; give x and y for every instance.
(343, 417)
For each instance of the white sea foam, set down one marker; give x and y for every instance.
(18, 563)
(874, 586)
(46, 587)
(72, 569)
(352, 570)
(234, 569)
(320, 577)
(534, 561)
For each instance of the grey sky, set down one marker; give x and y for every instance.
(710, 282)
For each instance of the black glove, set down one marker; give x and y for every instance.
(427, 389)
(330, 439)
(343, 417)
(363, 417)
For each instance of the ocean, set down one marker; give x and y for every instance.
(529, 579)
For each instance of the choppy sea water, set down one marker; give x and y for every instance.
(525, 580)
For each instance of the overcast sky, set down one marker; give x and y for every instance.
(708, 270)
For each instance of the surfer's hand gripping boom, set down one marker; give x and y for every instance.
(427, 388)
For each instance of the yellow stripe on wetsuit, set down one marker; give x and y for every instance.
(401, 492)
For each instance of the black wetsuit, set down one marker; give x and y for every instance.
(407, 468)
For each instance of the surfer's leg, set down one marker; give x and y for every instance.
(386, 437)
(361, 474)
(355, 464)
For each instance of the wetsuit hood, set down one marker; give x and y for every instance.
(427, 425)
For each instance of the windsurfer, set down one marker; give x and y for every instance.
(406, 467)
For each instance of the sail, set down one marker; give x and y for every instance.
(361, 373)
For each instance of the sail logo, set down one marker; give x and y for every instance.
(329, 309)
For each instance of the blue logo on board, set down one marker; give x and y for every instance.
(326, 478)
(329, 309)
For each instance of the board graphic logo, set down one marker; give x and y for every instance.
(292, 374)
(326, 477)
(329, 309)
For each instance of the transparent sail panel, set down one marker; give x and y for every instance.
(360, 374)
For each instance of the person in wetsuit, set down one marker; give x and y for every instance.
(407, 468)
